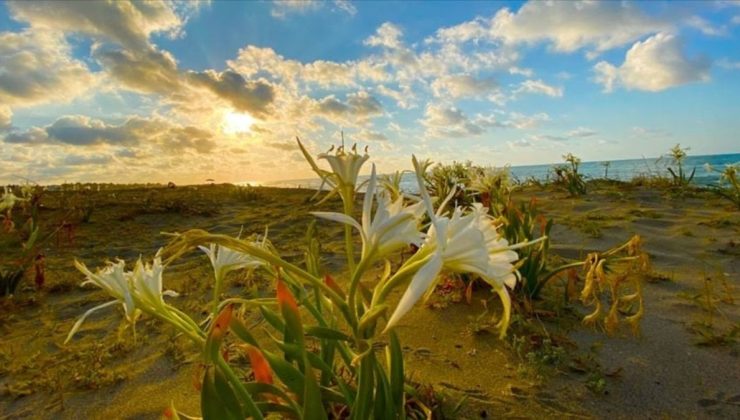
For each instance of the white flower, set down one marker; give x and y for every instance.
(113, 280)
(8, 200)
(462, 244)
(136, 290)
(345, 166)
(147, 284)
(225, 260)
(500, 255)
(390, 228)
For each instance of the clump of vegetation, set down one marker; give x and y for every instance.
(21, 229)
(248, 194)
(680, 178)
(729, 187)
(567, 176)
(445, 180)
(319, 357)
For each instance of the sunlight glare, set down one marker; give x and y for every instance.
(237, 122)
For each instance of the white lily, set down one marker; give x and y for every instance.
(345, 166)
(390, 228)
(8, 200)
(460, 243)
(147, 284)
(500, 255)
(137, 291)
(112, 279)
(225, 260)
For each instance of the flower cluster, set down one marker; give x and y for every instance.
(137, 291)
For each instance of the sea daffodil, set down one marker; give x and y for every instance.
(391, 227)
(462, 243)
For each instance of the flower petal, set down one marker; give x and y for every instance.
(422, 280)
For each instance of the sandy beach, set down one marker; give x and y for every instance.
(682, 365)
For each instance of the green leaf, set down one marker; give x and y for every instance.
(361, 407)
(327, 333)
(288, 374)
(397, 378)
(227, 396)
(211, 405)
(240, 330)
(372, 315)
(313, 407)
(272, 318)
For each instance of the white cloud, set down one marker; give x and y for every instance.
(567, 26)
(6, 118)
(705, 27)
(388, 35)
(581, 132)
(728, 64)
(127, 23)
(36, 67)
(282, 8)
(539, 87)
(447, 122)
(522, 122)
(655, 64)
(464, 86)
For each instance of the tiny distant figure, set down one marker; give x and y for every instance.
(38, 266)
(171, 185)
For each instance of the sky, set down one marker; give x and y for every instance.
(151, 91)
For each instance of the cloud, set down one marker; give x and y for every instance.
(387, 35)
(79, 130)
(371, 136)
(85, 160)
(148, 71)
(728, 64)
(6, 118)
(253, 97)
(523, 122)
(358, 105)
(37, 68)
(705, 27)
(127, 23)
(581, 132)
(282, 8)
(567, 26)
(464, 86)
(447, 121)
(655, 64)
(538, 87)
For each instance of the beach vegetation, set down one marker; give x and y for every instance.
(681, 179)
(568, 177)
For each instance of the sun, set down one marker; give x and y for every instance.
(237, 122)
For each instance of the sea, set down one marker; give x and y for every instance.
(623, 170)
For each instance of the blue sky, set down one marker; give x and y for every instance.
(152, 92)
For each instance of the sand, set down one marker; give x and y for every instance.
(684, 364)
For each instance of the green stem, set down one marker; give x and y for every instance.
(348, 200)
(216, 293)
(551, 274)
(411, 267)
(353, 286)
(237, 385)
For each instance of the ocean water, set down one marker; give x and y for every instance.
(623, 170)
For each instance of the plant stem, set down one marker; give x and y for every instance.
(239, 388)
